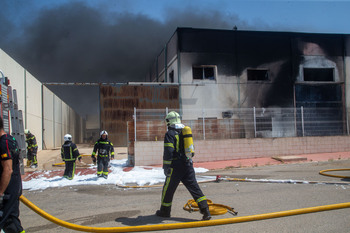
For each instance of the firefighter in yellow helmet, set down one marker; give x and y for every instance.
(178, 166)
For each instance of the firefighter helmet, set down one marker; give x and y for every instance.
(26, 131)
(172, 118)
(103, 132)
(67, 137)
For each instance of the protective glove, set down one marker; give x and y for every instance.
(167, 170)
(112, 156)
(93, 159)
(79, 158)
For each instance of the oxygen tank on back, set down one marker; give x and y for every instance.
(188, 142)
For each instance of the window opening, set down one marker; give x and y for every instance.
(258, 75)
(319, 74)
(264, 123)
(205, 72)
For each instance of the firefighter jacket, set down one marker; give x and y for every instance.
(104, 148)
(69, 151)
(9, 150)
(31, 141)
(173, 147)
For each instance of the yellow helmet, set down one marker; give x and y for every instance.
(172, 118)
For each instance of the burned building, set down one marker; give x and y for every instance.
(229, 70)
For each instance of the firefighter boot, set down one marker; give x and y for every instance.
(206, 213)
(164, 211)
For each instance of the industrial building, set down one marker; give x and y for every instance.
(293, 84)
(44, 113)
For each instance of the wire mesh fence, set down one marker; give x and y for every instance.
(149, 125)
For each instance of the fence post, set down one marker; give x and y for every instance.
(203, 124)
(254, 122)
(166, 113)
(135, 122)
(302, 119)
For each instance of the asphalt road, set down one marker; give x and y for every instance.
(111, 206)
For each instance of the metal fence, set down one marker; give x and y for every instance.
(149, 125)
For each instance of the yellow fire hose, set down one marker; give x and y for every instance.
(214, 209)
(181, 225)
(323, 172)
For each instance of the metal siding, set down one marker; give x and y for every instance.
(118, 102)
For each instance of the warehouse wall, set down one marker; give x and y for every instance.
(44, 114)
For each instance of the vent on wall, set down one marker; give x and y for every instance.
(227, 114)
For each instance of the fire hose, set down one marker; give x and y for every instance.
(181, 225)
(324, 172)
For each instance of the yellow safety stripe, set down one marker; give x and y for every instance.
(112, 153)
(104, 142)
(167, 181)
(105, 173)
(167, 161)
(93, 153)
(169, 145)
(99, 172)
(177, 143)
(201, 199)
(30, 146)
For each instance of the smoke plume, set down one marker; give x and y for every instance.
(78, 43)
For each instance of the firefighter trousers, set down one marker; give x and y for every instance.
(102, 165)
(69, 170)
(10, 222)
(184, 172)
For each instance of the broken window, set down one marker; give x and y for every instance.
(203, 72)
(258, 75)
(319, 74)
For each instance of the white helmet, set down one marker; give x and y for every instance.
(103, 132)
(67, 137)
(26, 131)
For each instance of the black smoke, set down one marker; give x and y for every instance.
(77, 43)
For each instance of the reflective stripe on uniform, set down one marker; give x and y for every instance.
(166, 161)
(168, 178)
(201, 199)
(177, 142)
(168, 145)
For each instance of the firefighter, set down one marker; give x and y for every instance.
(179, 167)
(69, 154)
(32, 149)
(105, 150)
(10, 183)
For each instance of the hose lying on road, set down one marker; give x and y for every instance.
(214, 209)
(323, 172)
(184, 224)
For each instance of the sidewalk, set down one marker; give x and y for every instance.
(255, 162)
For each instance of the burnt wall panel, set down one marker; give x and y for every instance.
(117, 105)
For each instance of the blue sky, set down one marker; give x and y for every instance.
(278, 15)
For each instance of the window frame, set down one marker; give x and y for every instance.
(203, 67)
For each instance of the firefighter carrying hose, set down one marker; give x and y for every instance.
(105, 150)
(32, 149)
(69, 154)
(178, 166)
